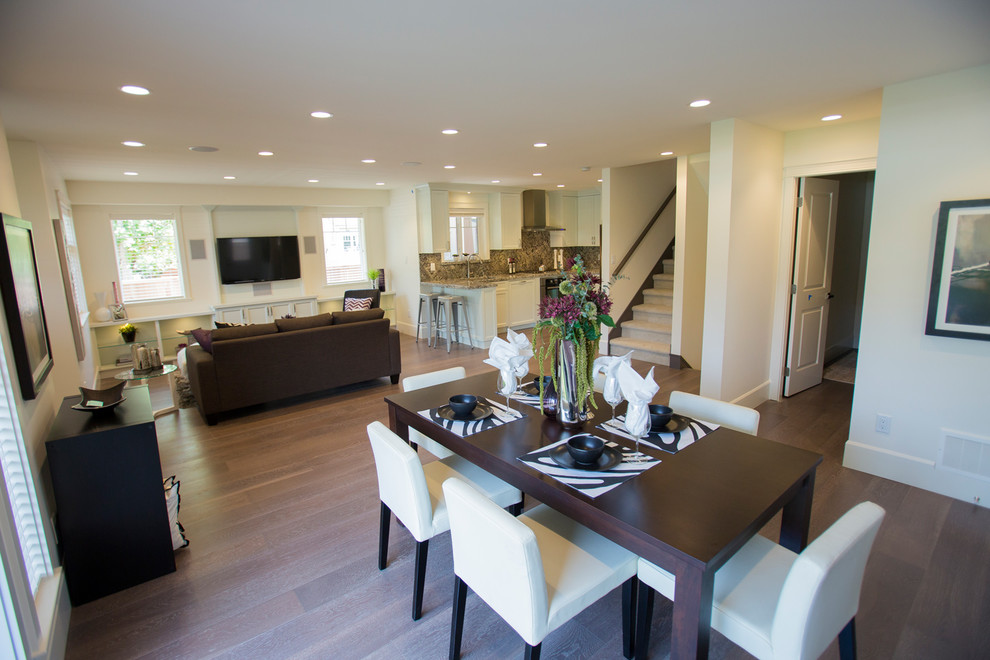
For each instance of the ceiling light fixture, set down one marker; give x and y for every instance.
(321, 114)
(700, 103)
(130, 173)
(411, 163)
(266, 153)
(368, 161)
(450, 131)
(135, 90)
(539, 145)
(230, 178)
(312, 180)
(666, 153)
(449, 167)
(831, 117)
(537, 173)
(496, 181)
(599, 180)
(132, 143)
(203, 149)
(560, 185)
(380, 183)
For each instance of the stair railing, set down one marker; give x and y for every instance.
(646, 230)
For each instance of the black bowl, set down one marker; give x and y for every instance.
(585, 449)
(463, 404)
(659, 416)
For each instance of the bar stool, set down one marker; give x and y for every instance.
(430, 299)
(448, 309)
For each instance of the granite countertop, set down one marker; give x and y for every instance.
(491, 281)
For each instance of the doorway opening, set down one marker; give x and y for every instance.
(846, 277)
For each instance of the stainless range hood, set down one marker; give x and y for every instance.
(535, 211)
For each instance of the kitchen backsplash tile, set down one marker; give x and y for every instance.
(535, 251)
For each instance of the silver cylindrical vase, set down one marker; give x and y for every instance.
(570, 402)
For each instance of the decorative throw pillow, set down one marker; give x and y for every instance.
(172, 499)
(204, 338)
(227, 324)
(354, 304)
(358, 315)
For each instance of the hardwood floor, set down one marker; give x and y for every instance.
(281, 508)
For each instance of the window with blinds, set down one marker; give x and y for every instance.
(20, 487)
(464, 238)
(148, 263)
(344, 255)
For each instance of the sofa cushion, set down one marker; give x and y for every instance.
(204, 338)
(227, 324)
(354, 304)
(303, 322)
(359, 315)
(242, 331)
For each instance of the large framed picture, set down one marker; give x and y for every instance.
(959, 300)
(23, 306)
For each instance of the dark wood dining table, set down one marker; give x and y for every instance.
(688, 514)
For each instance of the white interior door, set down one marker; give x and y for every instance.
(810, 291)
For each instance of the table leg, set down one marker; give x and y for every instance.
(401, 429)
(692, 621)
(796, 519)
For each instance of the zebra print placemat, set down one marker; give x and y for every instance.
(500, 415)
(589, 482)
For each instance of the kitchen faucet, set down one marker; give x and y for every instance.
(468, 262)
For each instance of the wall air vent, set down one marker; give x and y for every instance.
(964, 453)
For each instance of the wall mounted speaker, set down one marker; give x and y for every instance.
(197, 248)
(309, 244)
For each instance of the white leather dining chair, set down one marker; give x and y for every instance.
(536, 571)
(778, 604)
(414, 493)
(702, 408)
(428, 380)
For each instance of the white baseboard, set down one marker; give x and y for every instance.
(755, 396)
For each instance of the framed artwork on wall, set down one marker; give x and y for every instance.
(959, 299)
(23, 307)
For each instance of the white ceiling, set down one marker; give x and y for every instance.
(606, 84)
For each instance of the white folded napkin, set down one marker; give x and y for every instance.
(639, 392)
(511, 358)
(609, 365)
(523, 348)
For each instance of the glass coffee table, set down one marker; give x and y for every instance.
(164, 370)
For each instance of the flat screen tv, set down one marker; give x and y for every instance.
(258, 259)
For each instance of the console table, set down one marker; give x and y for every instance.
(112, 521)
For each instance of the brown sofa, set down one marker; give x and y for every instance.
(242, 366)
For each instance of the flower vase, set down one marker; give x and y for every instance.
(102, 312)
(571, 411)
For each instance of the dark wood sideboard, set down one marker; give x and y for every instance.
(112, 523)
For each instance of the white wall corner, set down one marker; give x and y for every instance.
(54, 609)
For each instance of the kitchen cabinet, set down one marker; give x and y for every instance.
(522, 300)
(563, 212)
(112, 521)
(265, 312)
(589, 219)
(502, 303)
(433, 218)
(505, 221)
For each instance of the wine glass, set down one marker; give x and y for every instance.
(612, 394)
(507, 384)
(637, 424)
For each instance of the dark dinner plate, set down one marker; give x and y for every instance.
(609, 459)
(480, 412)
(676, 423)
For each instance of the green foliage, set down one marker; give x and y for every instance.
(145, 248)
(373, 274)
(127, 329)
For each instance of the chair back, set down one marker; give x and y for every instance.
(401, 481)
(374, 294)
(497, 556)
(427, 380)
(702, 408)
(821, 592)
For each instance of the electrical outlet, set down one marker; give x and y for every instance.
(883, 424)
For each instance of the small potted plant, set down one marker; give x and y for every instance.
(127, 331)
(373, 276)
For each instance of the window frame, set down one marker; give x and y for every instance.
(363, 226)
(179, 256)
(452, 257)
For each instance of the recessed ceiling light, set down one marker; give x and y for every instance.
(135, 90)
(700, 103)
(449, 167)
(380, 183)
(560, 185)
(585, 168)
(496, 181)
(599, 180)
(831, 117)
(312, 180)
(132, 143)
(321, 114)
(266, 153)
(449, 131)
(539, 145)
(230, 178)
(130, 173)
(369, 161)
(203, 149)
(666, 153)
(537, 173)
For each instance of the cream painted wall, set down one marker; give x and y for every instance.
(934, 141)
(401, 243)
(245, 211)
(828, 143)
(630, 197)
(690, 252)
(743, 227)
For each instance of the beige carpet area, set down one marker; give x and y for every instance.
(843, 369)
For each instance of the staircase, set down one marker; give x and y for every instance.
(648, 333)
